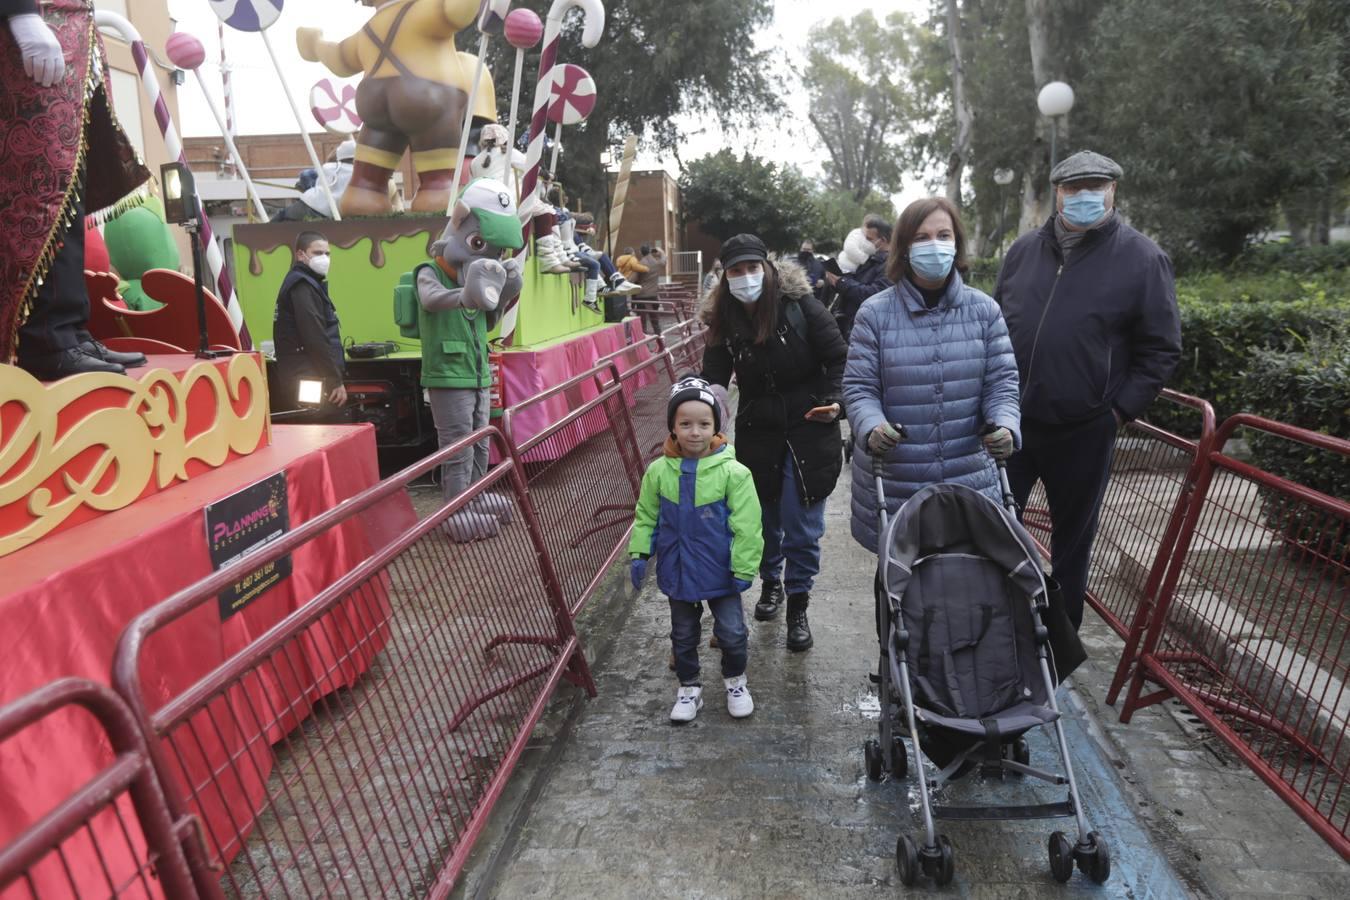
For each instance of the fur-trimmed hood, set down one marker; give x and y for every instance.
(792, 282)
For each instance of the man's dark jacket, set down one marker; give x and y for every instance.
(814, 269)
(1098, 332)
(306, 332)
(779, 381)
(867, 280)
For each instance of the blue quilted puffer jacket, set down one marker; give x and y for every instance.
(942, 373)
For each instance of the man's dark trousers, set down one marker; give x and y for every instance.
(1074, 464)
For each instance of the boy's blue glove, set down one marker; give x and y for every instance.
(637, 571)
(741, 584)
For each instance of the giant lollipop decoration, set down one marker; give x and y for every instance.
(571, 99)
(333, 104)
(186, 52)
(523, 31)
(491, 20)
(259, 15)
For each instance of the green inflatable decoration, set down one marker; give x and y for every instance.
(138, 241)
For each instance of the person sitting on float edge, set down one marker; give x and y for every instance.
(305, 326)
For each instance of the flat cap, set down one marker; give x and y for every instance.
(1085, 165)
(742, 247)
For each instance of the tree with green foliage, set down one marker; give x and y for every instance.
(657, 61)
(728, 194)
(1217, 118)
(856, 78)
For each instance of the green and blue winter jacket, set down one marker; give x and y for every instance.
(701, 519)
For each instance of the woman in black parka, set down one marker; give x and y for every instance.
(766, 326)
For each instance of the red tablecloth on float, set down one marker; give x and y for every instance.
(66, 600)
(527, 372)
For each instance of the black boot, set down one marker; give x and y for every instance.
(770, 598)
(799, 630)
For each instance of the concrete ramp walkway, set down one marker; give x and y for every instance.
(613, 801)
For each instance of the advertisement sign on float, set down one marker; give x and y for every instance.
(244, 523)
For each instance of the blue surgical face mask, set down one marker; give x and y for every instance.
(932, 260)
(1084, 208)
(747, 288)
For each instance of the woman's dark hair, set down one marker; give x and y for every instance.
(763, 318)
(897, 266)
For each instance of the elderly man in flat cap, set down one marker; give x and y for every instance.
(1091, 309)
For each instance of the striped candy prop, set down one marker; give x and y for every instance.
(571, 99)
(491, 20)
(259, 15)
(214, 258)
(333, 104)
(593, 13)
(186, 52)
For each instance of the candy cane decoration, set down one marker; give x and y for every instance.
(186, 52)
(593, 13)
(491, 20)
(214, 258)
(227, 89)
(620, 192)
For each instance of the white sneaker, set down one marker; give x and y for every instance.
(687, 704)
(621, 285)
(739, 703)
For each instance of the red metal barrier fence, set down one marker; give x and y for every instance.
(1251, 628)
(357, 747)
(122, 799)
(1152, 473)
(584, 472)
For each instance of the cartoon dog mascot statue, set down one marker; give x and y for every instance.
(413, 96)
(451, 303)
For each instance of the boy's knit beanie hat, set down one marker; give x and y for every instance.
(692, 388)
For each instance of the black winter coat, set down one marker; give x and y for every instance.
(779, 381)
(1098, 332)
(867, 281)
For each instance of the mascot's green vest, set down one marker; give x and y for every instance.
(454, 341)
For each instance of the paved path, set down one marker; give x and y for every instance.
(612, 801)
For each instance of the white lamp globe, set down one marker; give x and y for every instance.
(1055, 99)
(1003, 176)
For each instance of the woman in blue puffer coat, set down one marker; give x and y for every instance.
(931, 354)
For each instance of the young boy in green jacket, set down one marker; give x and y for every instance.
(699, 515)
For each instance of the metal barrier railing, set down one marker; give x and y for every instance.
(1251, 628)
(1152, 472)
(358, 745)
(583, 472)
(118, 811)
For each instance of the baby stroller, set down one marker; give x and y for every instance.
(964, 669)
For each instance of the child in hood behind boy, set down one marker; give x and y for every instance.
(699, 515)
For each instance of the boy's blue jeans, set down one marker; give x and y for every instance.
(686, 631)
(792, 532)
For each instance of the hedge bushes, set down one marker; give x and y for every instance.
(1310, 388)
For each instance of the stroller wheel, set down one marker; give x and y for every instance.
(907, 860)
(899, 759)
(1097, 865)
(1061, 857)
(872, 758)
(946, 863)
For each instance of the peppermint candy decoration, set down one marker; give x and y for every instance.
(247, 15)
(333, 104)
(571, 94)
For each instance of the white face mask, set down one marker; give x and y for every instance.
(319, 265)
(747, 288)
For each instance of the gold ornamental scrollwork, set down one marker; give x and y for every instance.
(145, 435)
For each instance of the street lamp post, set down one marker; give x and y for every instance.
(1054, 100)
(1002, 178)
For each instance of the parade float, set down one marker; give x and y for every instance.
(120, 488)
